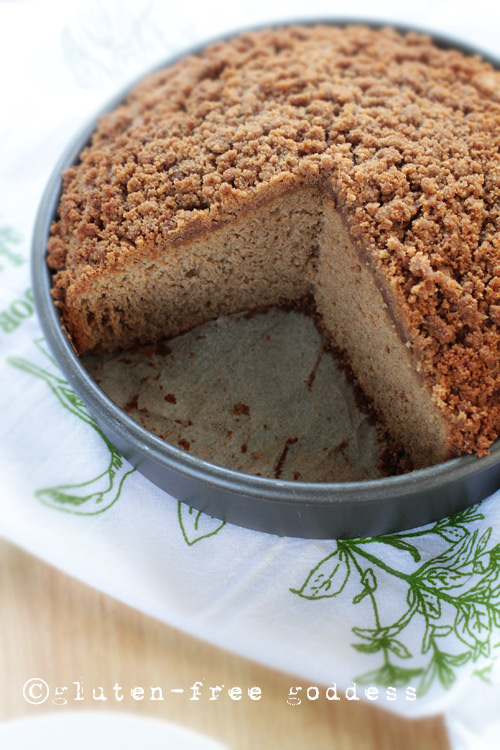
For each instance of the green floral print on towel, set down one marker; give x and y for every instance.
(451, 601)
(98, 493)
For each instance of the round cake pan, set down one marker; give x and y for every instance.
(287, 508)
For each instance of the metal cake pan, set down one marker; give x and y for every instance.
(287, 508)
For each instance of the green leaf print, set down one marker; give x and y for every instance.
(196, 525)
(8, 239)
(369, 585)
(452, 599)
(328, 578)
(98, 493)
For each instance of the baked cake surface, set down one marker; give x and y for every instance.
(360, 166)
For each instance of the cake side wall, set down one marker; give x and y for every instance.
(354, 311)
(266, 257)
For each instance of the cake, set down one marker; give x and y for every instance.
(357, 166)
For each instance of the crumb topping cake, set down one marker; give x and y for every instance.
(360, 167)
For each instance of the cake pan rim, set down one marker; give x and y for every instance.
(304, 493)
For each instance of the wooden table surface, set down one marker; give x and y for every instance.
(56, 628)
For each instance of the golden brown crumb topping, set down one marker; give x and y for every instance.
(406, 135)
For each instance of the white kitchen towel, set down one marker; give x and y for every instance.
(410, 621)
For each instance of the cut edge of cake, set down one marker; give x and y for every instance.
(291, 246)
